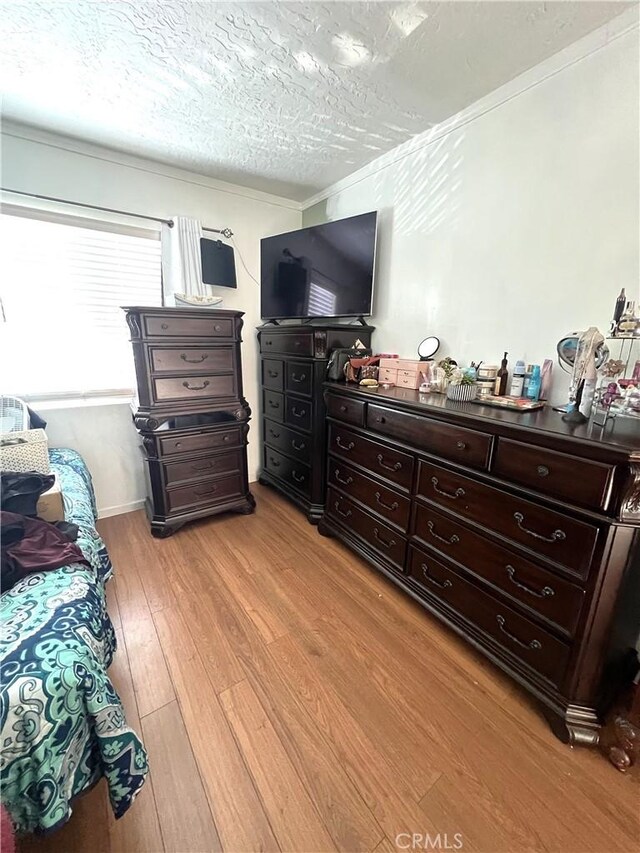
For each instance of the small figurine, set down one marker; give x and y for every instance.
(611, 393)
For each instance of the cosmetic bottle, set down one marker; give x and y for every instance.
(533, 389)
(500, 387)
(619, 308)
(527, 379)
(517, 380)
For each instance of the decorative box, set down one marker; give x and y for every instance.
(24, 451)
(50, 504)
(401, 371)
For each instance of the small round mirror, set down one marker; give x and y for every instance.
(567, 348)
(428, 348)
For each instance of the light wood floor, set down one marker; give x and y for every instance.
(292, 699)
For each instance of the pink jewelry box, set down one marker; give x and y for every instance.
(401, 371)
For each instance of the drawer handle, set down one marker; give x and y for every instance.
(298, 413)
(349, 446)
(297, 445)
(545, 592)
(396, 467)
(274, 405)
(274, 434)
(340, 512)
(206, 491)
(557, 535)
(459, 493)
(204, 385)
(301, 378)
(164, 326)
(542, 471)
(343, 408)
(226, 438)
(532, 644)
(461, 445)
(269, 343)
(273, 373)
(178, 444)
(440, 584)
(388, 543)
(202, 467)
(380, 419)
(274, 462)
(299, 478)
(392, 506)
(217, 328)
(297, 343)
(453, 539)
(183, 356)
(346, 481)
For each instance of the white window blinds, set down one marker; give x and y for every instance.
(62, 288)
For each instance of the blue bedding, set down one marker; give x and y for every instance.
(62, 723)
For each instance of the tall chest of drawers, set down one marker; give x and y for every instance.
(519, 532)
(293, 366)
(190, 412)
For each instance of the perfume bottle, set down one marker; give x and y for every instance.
(629, 323)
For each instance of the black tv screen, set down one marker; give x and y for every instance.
(322, 271)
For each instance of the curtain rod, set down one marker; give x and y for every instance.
(226, 232)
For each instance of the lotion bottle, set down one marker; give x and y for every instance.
(533, 389)
(517, 380)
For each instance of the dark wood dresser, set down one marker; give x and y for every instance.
(293, 366)
(190, 412)
(518, 531)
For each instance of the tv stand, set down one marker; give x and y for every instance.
(293, 364)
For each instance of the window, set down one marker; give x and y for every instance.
(62, 285)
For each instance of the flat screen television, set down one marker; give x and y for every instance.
(322, 271)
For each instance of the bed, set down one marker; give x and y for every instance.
(62, 723)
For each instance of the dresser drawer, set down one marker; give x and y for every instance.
(538, 589)
(300, 377)
(296, 474)
(203, 467)
(580, 481)
(200, 441)
(189, 388)
(380, 460)
(287, 440)
(170, 446)
(378, 536)
(298, 412)
(468, 447)
(382, 500)
(409, 379)
(273, 405)
(291, 343)
(188, 327)
(516, 634)
(205, 492)
(192, 359)
(273, 374)
(345, 409)
(387, 374)
(558, 537)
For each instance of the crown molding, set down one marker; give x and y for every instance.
(593, 42)
(97, 152)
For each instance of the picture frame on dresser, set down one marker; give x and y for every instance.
(518, 531)
(190, 413)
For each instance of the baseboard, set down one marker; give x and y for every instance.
(107, 511)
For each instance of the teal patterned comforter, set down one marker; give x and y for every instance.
(62, 723)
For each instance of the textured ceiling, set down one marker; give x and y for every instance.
(283, 97)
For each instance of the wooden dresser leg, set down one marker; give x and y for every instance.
(577, 726)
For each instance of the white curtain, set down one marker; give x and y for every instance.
(181, 261)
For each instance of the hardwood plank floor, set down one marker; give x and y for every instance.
(292, 699)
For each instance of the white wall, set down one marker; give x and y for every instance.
(518, 221)
(41, 163)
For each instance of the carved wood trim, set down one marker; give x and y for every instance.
(134, 326)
